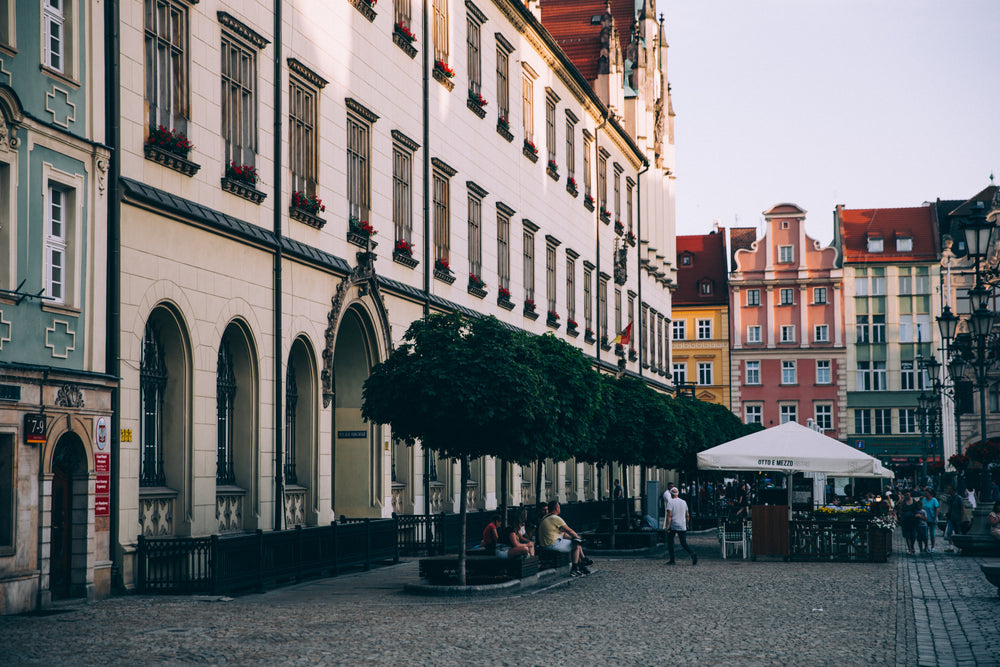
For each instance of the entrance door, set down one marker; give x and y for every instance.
(66, 463)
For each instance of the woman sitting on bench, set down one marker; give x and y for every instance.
(511, 544)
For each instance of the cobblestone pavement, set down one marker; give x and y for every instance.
(925, 610)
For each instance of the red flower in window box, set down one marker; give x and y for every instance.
(571, 323)
(442, 67)
(588, 200)
(530, 145)
(503, 293)
(403, 247)
(309, 203)
(619, 227)
(605, 213)
(441, 264)
(362, 227)
(503, 122)
(552, 315)
(529, 305)
(477, 99)
(244, 173)
(403, 31)
(553, 166)
(172, 141)
(571, 182)
(476, 281)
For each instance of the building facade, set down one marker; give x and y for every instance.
(56, 397)
(891, 274)
(788, 350)
(300, 182)
(699, 328)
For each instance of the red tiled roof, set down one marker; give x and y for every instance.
(568, 21)
(858, 225)
(708, 263)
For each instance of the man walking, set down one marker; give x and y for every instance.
(677, 522)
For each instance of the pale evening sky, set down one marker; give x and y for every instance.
(866, 103)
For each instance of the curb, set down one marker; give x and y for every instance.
(542, 579)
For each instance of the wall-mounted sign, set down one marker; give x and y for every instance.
(101, 437)
(102, 463)
(102, 485)
(126, 435)
(352, 434)
(34, 429)
(102, 506)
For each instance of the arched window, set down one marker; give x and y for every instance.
(291, 403)
(152, 383)
(225, 392)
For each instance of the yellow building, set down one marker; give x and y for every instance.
(699, 330)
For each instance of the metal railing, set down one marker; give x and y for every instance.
(223, 564)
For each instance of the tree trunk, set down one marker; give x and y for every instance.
(643, 505)
(463, 510)
(612, 497)
(538, 481)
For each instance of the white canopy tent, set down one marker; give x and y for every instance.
(792, 448)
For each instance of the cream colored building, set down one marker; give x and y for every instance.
(466, 170)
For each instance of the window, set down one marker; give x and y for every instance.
(401, 11)
(629, 187)
(789, 413)
(784, 254)
(475, 248)
(587, 166)
(167, 64)
(528, 106)
(644, 338)
(907, 377)
(225, 391)
(359, 170)
(705, 287)
(56, 243)
(8, 484)
(753, 414)
(704, 329)
(862, 422)
(442, 211)
(878, 376)
(550, 272)
(874, 244)
(503, 246)
(5, 38)
(152, 384)
(291, 407)
(905, 282)
(861, 285)
(402, 187)
(787, 296)
(618, 310)
(678, 331)
(822, 333)
(441, 30)
(602, 304)
(54, 18)
(473, 48)
(904, 244)
(686, 259)
(753, 333)
(679, 373)
(303, 141)
(617, 184)
(864, 376)
(788, 372)
(239, 92)
(588, 295)
(823, 372)
(922, 281)
(883, 421)
(861, 328)
(602, 179)
(753, 297)
(908, 420)
(788, 333)
(878, 328)
(824, 416)
(503, 78)
(753, 372)
(878, 281)
(571, 121)
(705, 372)
(819, 295)
(528, 259)
(550, 124)
(570, 286)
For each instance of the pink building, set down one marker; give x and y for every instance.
(786, 306)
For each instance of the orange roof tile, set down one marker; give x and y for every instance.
(569, 23)
(858, 225)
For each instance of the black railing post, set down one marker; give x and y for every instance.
(444, 534)
(298, 553)
(395, 527)
(141, 553)
(368, 543)
(213, 564)
(260, 560)
(336, 547)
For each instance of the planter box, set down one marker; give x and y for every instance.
(170, 160)
(405, 44)
(404, 259)
(241, 189)
(311, 219)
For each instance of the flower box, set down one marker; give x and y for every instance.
(444, 74)
(171, 141)
(503, 128)
(530, 151)
(403, 38)
(360, 232)
(571, 186)
(402, 253)
(241, 180)
(505, 302)
(619, 227)
(477, 285)
(306, 217)
(170, 160)
(632, 356)
(366, 7)
(529, 309)
(552, 169)
(588, 202)
(605, 216)
(552, 319)
(630, 238)
(571, 329)
(308, 203)
(477, 103)
(588, 336)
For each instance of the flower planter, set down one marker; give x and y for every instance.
(530, 151)
(572, 331)
(366, 8)
(404, 259)
(444, 275)
(477, 291)
(505, 303)
(880, 544)
(588, 203)
(504, 131)
(302, 215)
(404, 43)
(170, 160)
(442, 77)
(606, 217)
(553, 173)
(552, 323)
(475, 108)
(242, 189)
(571, 188)
(360, 239)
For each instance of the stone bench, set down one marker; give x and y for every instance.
(479, 570)
(991, 568)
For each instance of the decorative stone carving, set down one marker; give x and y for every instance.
(398, 497)
(156, 514)
(69, 396)
(229, 510)
(295, 506)
(438, 501)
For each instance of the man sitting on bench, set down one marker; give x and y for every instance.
(555, 535)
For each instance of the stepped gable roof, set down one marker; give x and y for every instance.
(708, 262)
(889, 224)
(569, 23)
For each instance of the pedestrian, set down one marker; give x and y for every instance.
(618, 490)
(555, 535)
(921, 527)
(970, 495)
(995, 521)
(931, 504)
(956, 511)
(491, 534)
(907, 513)
(666, 505)
(677, 520)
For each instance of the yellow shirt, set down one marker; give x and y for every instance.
(548, 530)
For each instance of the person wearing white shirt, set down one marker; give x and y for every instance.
(677, 523)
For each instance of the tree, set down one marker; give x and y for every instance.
(464, 388)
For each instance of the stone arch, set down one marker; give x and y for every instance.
(301, 445)
(68, 522)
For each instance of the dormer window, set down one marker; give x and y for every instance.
(685, 260)
(874, 244)
(705, 287)
(904, 244)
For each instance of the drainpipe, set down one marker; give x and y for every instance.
(425, 55)
(597, 219)
(638, 257)
(278, 384)
(112, 342)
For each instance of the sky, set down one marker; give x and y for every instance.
(865, 103)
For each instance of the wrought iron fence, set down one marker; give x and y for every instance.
(830, 540)
(252, 561)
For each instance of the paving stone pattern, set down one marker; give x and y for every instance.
(914, 610)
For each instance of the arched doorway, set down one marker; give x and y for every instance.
(68, 576)
(357, 463)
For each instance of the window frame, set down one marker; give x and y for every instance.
(786, 296)
(787, 333)
(823, 415)
(786, 254)
(788, 412)
(55, 14)
(678, 330)
(678, 371)
(174, 83)
(441, 202)
(704, 328)
(753, 297)
(238, 104)
(826, 370)
(751, 372)
(304, 95)
(474, 197)
(821, 333)
(440, 28)
(753, 413)
(789, 372)
(528, 230)
(571, 258)
(403, 152)
(358, 152)
(705, 369)
(474, 47)
(551, 286)
(504, 49)
(754, 334)
(819, 296)
(504, 216)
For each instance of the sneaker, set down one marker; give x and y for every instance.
(586, 561)
(694, 559)
(582, 569)
(931, 550)
(575, 572)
